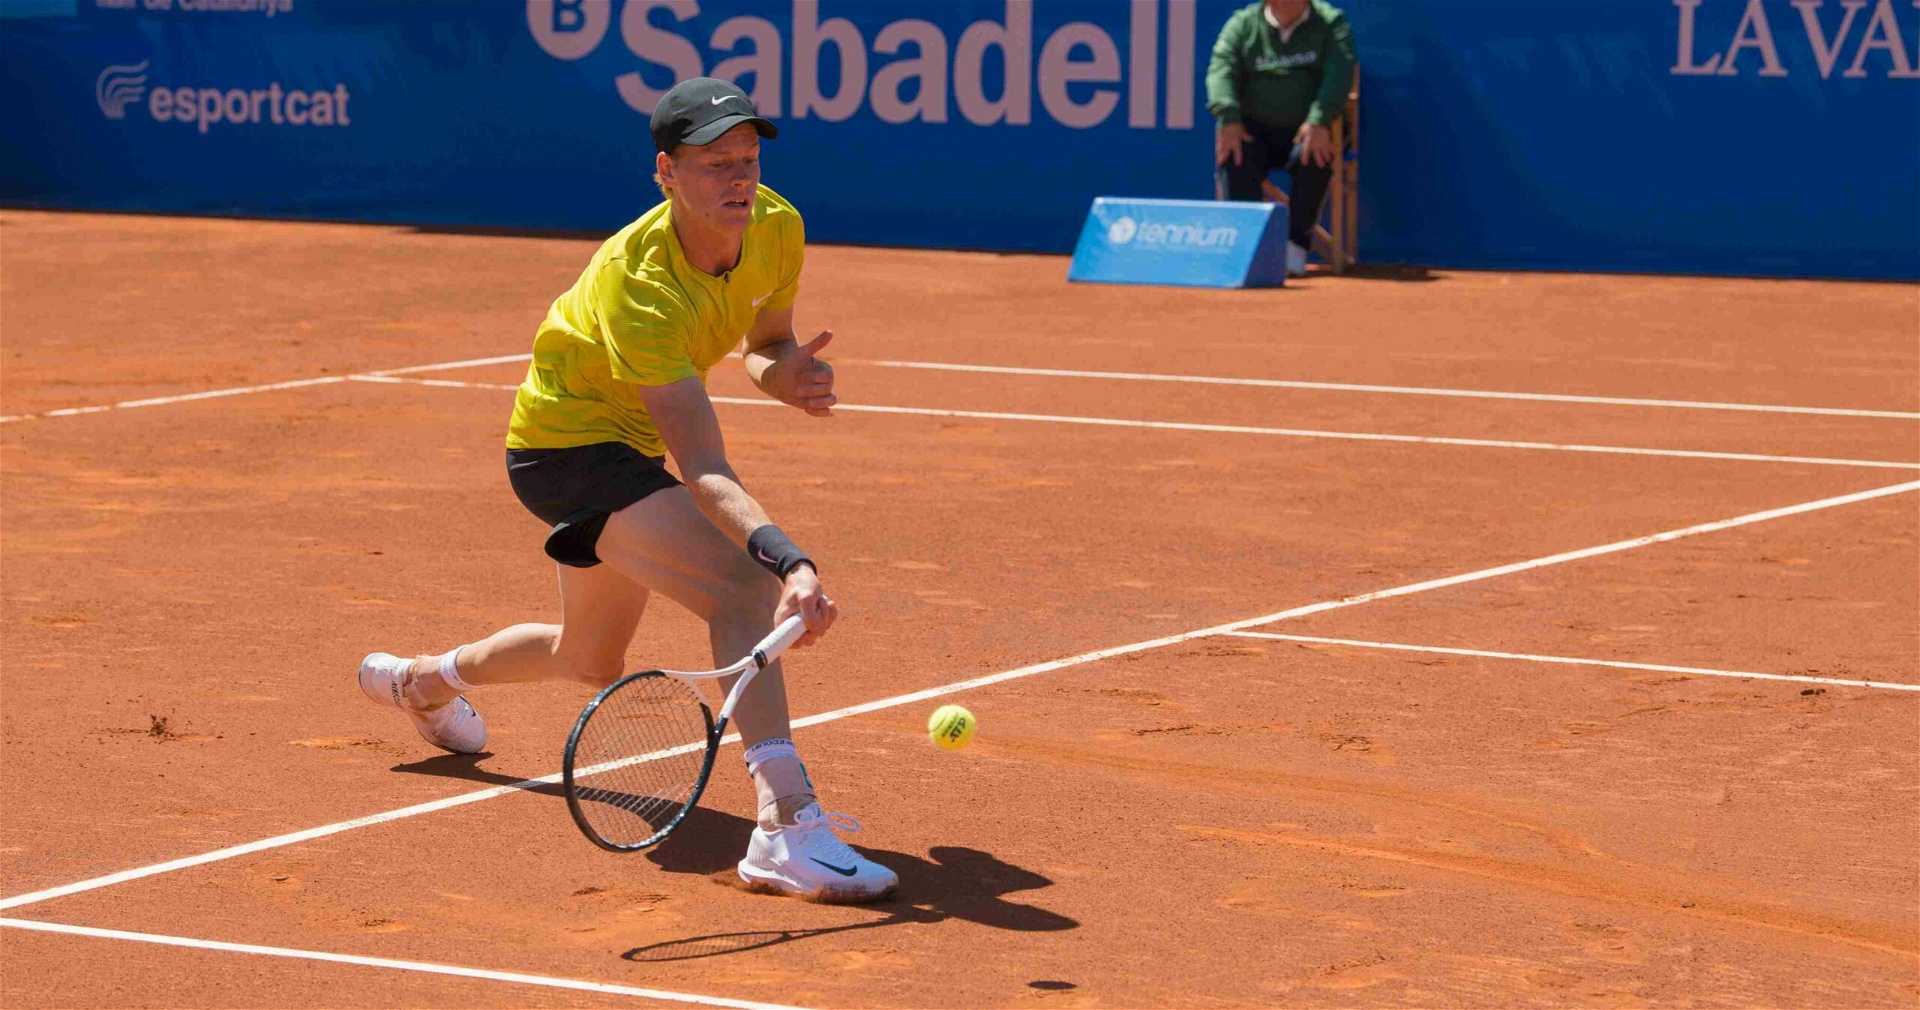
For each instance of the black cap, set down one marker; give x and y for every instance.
(698, 110)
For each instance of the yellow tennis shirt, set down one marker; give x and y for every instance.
(642, 315)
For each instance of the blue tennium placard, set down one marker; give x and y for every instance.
(1191, 243)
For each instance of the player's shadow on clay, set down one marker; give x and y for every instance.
(951, 882)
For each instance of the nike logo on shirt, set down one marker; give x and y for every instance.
(762, 298)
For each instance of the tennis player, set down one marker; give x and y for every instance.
(617, 382)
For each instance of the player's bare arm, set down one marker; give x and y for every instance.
(684, 415)
(786, 369)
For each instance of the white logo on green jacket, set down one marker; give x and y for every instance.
(1266, 63)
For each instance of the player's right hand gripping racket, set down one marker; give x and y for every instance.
(647, 743)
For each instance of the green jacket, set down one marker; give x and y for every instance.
(1256, 78)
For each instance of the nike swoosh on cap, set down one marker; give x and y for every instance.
(723, 98)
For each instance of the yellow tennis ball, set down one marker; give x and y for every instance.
(951, 727)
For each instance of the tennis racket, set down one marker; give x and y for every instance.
(647, 742)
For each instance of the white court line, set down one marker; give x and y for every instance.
(1656, 667)
(323, 831)
(1345, 387)
(1487, 394)
(498, 359)
(443, 383)
(391, 380)
(324, 380)
(1235, 429)
(155, 401)
(546, 981)
(996, 678)
(275, 842)
(1350, 387)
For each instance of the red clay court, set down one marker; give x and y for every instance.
(1483, 640)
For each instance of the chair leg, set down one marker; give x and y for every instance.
(1337, 201)
(1350, 169)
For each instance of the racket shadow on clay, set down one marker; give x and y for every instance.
(949, 882)
(716, 944)
(466, 768)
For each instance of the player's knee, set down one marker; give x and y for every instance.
(599, 671)
(595, 669)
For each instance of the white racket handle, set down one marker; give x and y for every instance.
(763, 654)
(782, 639)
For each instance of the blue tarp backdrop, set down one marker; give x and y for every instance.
(1700, 136)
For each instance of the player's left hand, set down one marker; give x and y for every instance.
(801, 594)
(800, 379)
(1316, 143)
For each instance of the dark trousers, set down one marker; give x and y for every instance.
(1269, 150)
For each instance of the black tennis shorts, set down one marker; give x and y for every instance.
(575, 490)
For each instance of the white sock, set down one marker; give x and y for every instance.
(450, 671)
(778, 775)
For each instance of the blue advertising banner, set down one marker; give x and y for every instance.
(1760, 137)
(1706, 136)
(1195, 243)
(986, 124)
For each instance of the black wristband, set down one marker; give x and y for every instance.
(775, 552)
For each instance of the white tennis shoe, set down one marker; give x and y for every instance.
(807, 860)
(1296, 260)
(455, 726)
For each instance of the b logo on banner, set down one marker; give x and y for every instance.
(568, 29)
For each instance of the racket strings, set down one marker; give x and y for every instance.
(640, 759)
